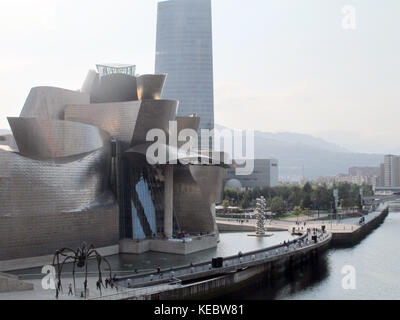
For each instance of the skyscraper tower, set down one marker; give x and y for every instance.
(184, 52)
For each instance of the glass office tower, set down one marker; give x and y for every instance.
(184, 52)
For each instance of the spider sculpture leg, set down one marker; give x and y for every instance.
(93, 252)
(73, 274)
(86, 263)
(62, 265)
(64, 252)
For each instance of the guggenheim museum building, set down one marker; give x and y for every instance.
(77, 168)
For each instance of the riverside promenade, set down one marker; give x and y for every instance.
(232, 225)
(203, 279)
(344, 232)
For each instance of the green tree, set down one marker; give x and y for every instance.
(278, 205)
(307, 188)
(349, 203)
(297, 211)
(225, 204)
(245, 203)
(295, 197)
(307, 202)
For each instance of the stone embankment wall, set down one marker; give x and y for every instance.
(346, 239)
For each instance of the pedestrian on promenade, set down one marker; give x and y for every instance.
(70, 290)
(158, 269)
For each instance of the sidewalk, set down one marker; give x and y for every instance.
(38, 293)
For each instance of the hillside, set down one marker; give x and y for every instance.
(318, 156)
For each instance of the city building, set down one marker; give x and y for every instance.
(184, 52)
(389, 175)
(356, 175)
(360, 180)
(265, 174)
(81, 170)
(364, 171)
(391, 171)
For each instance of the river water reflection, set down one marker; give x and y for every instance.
(376, 260)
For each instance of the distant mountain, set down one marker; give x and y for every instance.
(318, 157)
(299, 138)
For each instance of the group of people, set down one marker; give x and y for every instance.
(108, 282)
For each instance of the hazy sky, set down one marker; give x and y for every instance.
(279, 65)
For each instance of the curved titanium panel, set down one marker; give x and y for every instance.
(91, 81)
(117, 118)
(173, 154)
(32, 187)
(150, 86)
(217, 157)
(210, 180)
(188, 123)
(49, 102)
(114, 88)
(184, 123)
(49, 139)
(191, 208)
(154, 114)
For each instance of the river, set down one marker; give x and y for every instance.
(376, 262)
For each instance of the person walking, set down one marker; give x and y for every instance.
(70, 290)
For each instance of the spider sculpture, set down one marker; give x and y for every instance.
(79, 258)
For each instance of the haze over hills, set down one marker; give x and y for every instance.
(318, 156)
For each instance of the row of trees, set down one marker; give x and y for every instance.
(286, 197)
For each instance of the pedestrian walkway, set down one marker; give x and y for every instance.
(230, 264)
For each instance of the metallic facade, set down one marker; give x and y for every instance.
(117, 119)
(80, 171)
(184, 52)
(30, 187)
(49, 139)
(112, 88)
(194, 196)
(49, 102)
(154, 114)
(150, 86)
